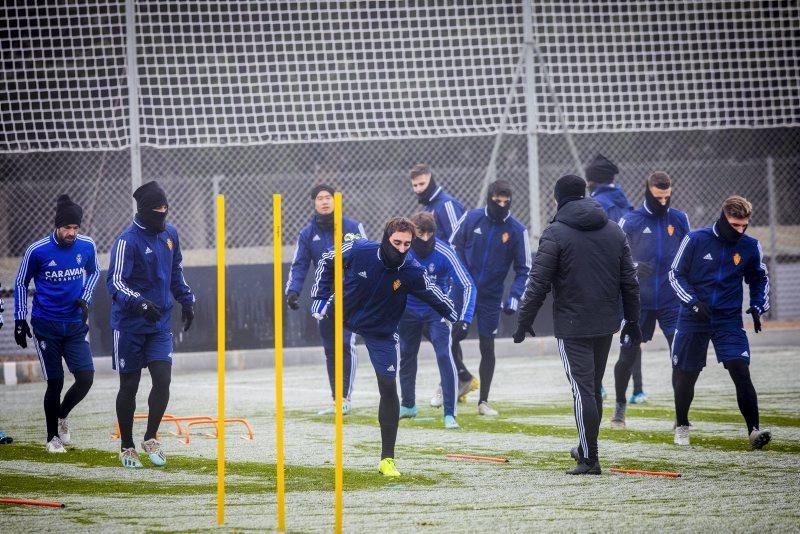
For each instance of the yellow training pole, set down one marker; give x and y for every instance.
(338, 320)
(277, 291)
(220, 359)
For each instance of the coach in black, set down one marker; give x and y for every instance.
(586, 259)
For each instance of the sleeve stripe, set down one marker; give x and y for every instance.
(527, 244)
(21, 289)
(457, 227)
(92, 281)
(118, 269)
(763, 267)
(448, 253)
(361, 230)
(680, 291)
(321, 266)
(451, 213)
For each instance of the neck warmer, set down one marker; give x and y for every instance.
(726, 231)
(390, 256)
(497, 212)
(324, 221)
(425, 197)
(653, 204)
(153, 221)
(422, 248)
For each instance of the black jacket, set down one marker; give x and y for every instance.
(587, 261)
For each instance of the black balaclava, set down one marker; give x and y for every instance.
(569, 188)
(497, 212)
(390, 256)
(323, 221)
(425, 196)
(654, 205)
(422, 248)
(727, 231)
(601, 170)
(67, 212)
(148, 197)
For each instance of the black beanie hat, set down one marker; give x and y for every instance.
(601, 170)
(321, 187)
(150, 196)
(569, 187)
(67, 212)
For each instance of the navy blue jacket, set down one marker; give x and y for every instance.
(613, 200)
(446, 211)
(489, 248)
(145, 265)
(62, 274)
(655, 240)
(446, 271)
(312, 243)
(374, 296)
(710, 270)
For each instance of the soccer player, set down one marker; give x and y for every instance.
(707, 276)
(378, 277)
(445, 270)
(446, 210)
(488, 240)
(586, 260)
(316, 238)
(64, 269)
(145, 268)
(654, 233)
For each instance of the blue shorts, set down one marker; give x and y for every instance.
(57, 339)
(689, 349)
(133, 352)
(667, 321)
(487, 315)
(383, 353)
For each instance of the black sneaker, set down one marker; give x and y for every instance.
(586, 467)
(575, 454)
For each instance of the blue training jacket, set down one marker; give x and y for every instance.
(446, 271)
(613, 200)
(655, 240)
(446, 212)
(312, 243)
(62, 274)
(375, 296)
(145, 265)
(488, 249)
(710, 270)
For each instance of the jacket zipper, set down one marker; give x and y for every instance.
(486, 252)
(722, 257)
(657, 266)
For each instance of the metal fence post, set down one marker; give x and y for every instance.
(531, 120)
(133, 96)
(773, 222)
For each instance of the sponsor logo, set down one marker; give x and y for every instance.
(52, 263)
(670, 230)
(746, 354)
(315, 238)
(147, 250)
(736, 259)
(64, 274)
(396, 285)
(647, 230)
(390, 368)
(363, 274)
(708, 257)
(351, 236)
(169, 243)
(505, 237)
(477, 231)
(79, 259)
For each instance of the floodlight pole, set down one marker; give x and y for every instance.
(531, 121)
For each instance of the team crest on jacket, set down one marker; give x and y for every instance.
(505, 237)
(396, 285)
(78, 258)
(431, 267)
(670, 230)
(169, 243)
(736, 259)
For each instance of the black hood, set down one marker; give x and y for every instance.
(584, 214)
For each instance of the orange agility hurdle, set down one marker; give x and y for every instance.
(492, 459)
(169, 418)
(213, 421)
(27, 502)
(640, 472)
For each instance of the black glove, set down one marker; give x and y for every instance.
(187, 316)
(700, 311)
(631, 334)
(21, 329)
(291, 300)
(519, 335)
(149, 311)
(460, 330)
(84, 306)
(644, 269)
(756, 319)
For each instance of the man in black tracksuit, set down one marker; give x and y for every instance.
(586, 259)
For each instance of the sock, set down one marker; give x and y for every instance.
(160, 374)
(388, 414)
(684, 394)
(622, 370)
(745, 392)
(76, 393)
(126, 406)
(486, 344)
(52, 404)
(458, 356)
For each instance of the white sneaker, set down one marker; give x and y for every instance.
(759, 438)
(55, 445)
(681, 435)
(331, 410)
(63, 431)
(153, 449)
(437, 399)
(130, 458)
(485, 409)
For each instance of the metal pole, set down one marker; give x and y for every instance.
(532, 120)
(133, 96)
(773, 246)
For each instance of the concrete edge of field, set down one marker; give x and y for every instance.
(17, 372)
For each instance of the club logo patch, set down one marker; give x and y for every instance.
(505, 237)
(736, 259)
(431, 267)
(396, 285)
(121, 363)
(670, 230)
(79, 259)
(169, 243)
(43, 344)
